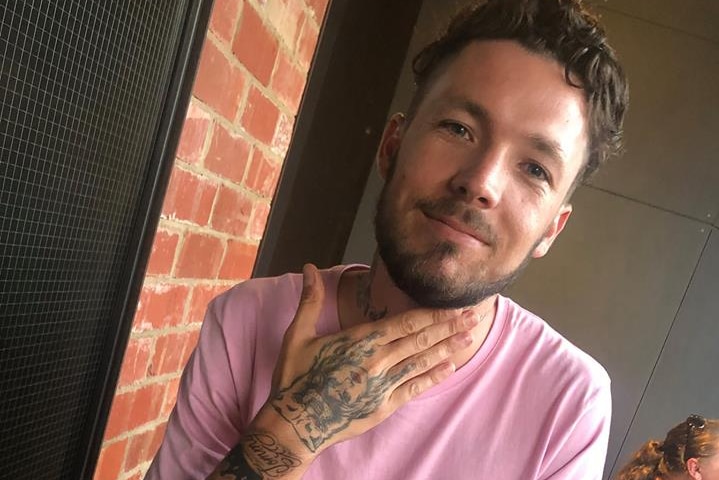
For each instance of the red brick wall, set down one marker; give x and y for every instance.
(251, 77)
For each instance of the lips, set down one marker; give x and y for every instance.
(458, 226)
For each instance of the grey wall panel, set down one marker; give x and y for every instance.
(673, 118)
(684, 380)
(612, 284)
(698, 17)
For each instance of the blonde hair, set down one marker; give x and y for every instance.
(696, 437)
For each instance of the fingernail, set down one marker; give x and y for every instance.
(446, 369)
(469, 319)
(463, 339)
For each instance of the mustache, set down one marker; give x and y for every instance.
(457, 210)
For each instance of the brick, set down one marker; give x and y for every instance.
(232, 211)
(218, 82)
(194, 133)
(119, 415)
(228, 155)
(262, 175)
(189, 197)
(282, 137)
(288, 83)
(202, 294)
(162, 254)
(161, 305)
(286, 16)
(136, 361)
(168, 354)
(254, 45)
(318, 8)
(256, 227)
(200, 256)
(109, 463)
(137, 449)
(146, 405)
(260, 116)
(156, 441)
(239, 261)
(307, 43)
(224, 18)
(168, 402)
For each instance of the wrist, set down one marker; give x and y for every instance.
(269, 422)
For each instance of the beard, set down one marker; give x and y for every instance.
(416, 273)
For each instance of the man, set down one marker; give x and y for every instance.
(417, 368)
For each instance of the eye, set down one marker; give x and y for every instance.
(536, 171)
(456, 129)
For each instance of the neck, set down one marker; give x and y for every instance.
(370, 295)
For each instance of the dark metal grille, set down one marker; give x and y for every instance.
(82, 86)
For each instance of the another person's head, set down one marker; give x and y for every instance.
(689, 451)
(515, 104)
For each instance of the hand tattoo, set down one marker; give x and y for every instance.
(336, 390)
(258, 456)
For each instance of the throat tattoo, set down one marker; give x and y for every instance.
(364, 298)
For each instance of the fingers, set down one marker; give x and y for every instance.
(420, 384)
(429, 337)
(412, 321)
(428, 359)
(311, 299)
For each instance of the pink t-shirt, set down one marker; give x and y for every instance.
(528, 405)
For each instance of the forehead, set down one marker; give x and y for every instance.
(524, 93)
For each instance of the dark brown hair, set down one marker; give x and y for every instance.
(560, 29)
(657, 460)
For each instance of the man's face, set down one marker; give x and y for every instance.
(476, 182)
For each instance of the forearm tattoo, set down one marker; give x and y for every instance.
(336, 390)
(258, 456)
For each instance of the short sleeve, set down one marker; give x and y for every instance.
(204, 425)
(584, 445)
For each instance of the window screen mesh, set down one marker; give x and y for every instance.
(82, 85)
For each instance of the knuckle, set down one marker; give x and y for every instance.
(422, 340)
(453, 327)
(307, 294)
(423, 362)
(373, 366)
(406, 325)
(437, 316)
(415, 389)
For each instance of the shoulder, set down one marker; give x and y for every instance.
(553, 353)
(267, 297)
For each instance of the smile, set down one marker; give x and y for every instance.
(456, 231)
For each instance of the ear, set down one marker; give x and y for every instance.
(553, 231)
(389, 145)
(693, 469)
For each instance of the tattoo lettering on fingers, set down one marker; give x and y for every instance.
(336, 390)
(258, 456)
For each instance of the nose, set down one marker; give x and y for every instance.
(481, 180)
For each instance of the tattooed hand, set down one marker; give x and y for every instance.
(353, 380)
(332, 388)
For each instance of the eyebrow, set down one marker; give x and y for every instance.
(548, 147)
(475, 110)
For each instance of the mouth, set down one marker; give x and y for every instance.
(457, 230)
